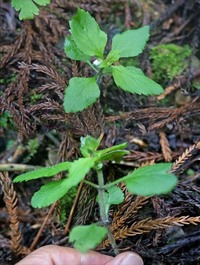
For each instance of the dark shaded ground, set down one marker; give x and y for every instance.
(35, 131)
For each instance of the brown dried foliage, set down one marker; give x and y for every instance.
(10, 199)
(167, 153)
(144, 157)
(157, 118)
(182, 162)
(148, 224)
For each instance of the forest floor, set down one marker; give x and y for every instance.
(35, 130)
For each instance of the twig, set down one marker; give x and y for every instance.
(73, 208)
(16, 167)
(42, 226)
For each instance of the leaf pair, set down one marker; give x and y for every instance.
(86, 41)
(75, 171)
(146, 181)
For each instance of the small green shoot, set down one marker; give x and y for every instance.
(146, 181)
(87, 43)
(28, 8)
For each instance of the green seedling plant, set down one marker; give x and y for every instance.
(146, 181)
(87, 43)
(28, 8)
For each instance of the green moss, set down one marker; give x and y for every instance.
(168, 60)
(66, 204)
(6, 120)
(35, 97)
(32, 148)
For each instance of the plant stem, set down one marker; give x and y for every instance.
(103, 212)
(92, 66)
(91, 184)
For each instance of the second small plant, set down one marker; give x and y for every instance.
(146, 181)
(87, 43)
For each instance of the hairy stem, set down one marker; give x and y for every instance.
(103, 212)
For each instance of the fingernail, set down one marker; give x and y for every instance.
(132, 259)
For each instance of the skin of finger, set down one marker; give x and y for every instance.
(55, 255)
(126, 258)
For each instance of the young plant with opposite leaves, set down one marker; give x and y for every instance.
(87, 43)
(145, 181)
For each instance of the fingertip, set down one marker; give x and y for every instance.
(127, 258)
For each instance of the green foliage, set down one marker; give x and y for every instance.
(66, 203)
(87, 34)
(28, 8)
(132, 79)
(51, 192)
(87, 41)
(86, 237)
(6, 119)
(32, 147)
(131, 42)
(146, 181)
(114, 195)
(73, 51)
(151, 180)
(81, 93)
(168, 60)
(89, 145)
(34, 97)
(43, 172)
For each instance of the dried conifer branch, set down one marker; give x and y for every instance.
(127, 211)
(180, 163)
(144, 157)
(148, 224)
(148, 163)
(167, 153)
(10, 199)
(159, 117)
(44, 69)
(13, 50)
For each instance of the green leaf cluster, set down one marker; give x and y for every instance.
(75, 171)
(168, 60)
(87, 42)
(28, 8)
(145, 181)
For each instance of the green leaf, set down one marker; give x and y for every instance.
(131, 42)
(151, 180)
(133, 80)
(51, 192)
(118, 147)
(114, 196)
(114, 155)
(73, 52)
(80, 94)
(89, 145)
(87, 237)
(55, 190)
(111, 58)
(28, 8)
(87, 34)
(79, 168)
(43, 172)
